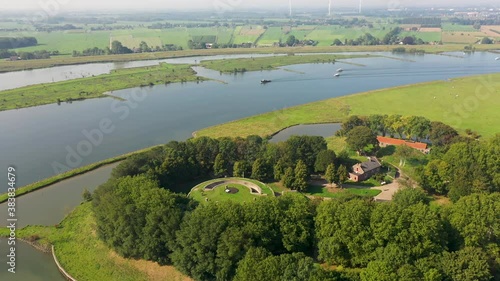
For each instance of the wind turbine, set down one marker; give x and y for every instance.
(360, 3)
(329, 7)
(290, 5)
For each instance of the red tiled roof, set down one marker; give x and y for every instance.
(391, 141)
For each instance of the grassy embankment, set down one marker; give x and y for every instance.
(85, 257)
(218, 194)
(95, 87)
(253, 64)
(69, 174)
(6, 66)
(464, 103)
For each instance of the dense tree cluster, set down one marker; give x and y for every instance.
(252, 157)
(463, 167)
(284, 238)
(17, 42)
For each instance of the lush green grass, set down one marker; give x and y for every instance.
(426, 36)
(93, 87)
(199, 193)
(69, 174)
(323, 192)
(85, 257)
(457, 27)
(475, 98)
(267, 63)
(272, 35)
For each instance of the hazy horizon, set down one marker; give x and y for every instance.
(165, 5)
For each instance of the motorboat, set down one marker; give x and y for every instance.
(264, 81)
(340, 70)
(336, 75)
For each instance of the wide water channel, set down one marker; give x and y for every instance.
(42, 141)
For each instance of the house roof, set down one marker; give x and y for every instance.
(391, 141)
(370, 165)
(367, 166)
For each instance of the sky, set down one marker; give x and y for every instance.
(165, 5)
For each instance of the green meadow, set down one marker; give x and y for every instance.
(267, 63)
(464, 103)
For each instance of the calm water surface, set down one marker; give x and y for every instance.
(321, 130)
(31, 264)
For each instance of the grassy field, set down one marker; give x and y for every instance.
(426, 36)
(462, 37)
(87, 258)
(464, 103)
(457, 27)
(267, 63)
(218, 194)
(94, 87)
(341, 193)
(6, 66)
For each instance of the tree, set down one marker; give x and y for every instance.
(240, 168)
(87, 196)
(288, 178)
(343, 232)
(360, 137)
(137, 218)
(331, 174)
(323, 159)
(337, 42)
(220, 166)
(486, 40)
(342, 175)
(434, 177)
(408, 40)
(476, 219)
(408, 196)
(466, 264)
(279, 170)
(144, 47)
(352, 122)
(403, 152)
(259, 170)
(301, 177)
(441, 134)
(291, 40)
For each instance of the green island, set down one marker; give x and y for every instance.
(95, 87)
(266, 63)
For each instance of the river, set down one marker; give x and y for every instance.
(44, 140)
(16, 79)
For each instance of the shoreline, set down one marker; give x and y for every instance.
(68, 60)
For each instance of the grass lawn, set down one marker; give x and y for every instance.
(93, 87)
(426, 36)
(267, 63)
(457, 27)
(470, 102)
(87, 258)
(199, 193)
(341, 193)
